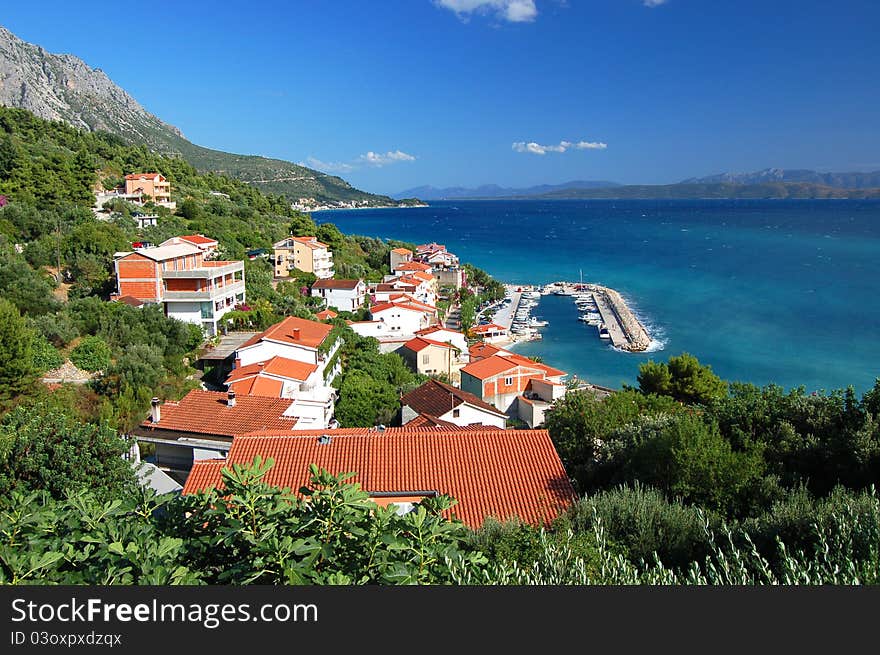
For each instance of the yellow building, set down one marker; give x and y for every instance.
(152, 185)
(305, 254)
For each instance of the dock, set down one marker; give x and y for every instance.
(626, 331)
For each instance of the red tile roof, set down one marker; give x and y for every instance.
(138, 176)
(488, 327)
(413, 266)
(257, 386)
(411, 306)
(436, 398)
(198, 239)
(282, 367)
(336, 284)
(500, 473)
(428, 421)
(311, 333)
(418, 344)
(437, 328)
(131, 300)
(205, 474)
(402, 251)
(207, 412)
(482, 350)
(501, 363)
(326, 314)
(311, 242)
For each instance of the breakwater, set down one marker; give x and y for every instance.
(624, 330)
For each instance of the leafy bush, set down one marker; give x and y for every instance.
(644, 522)
(91, 354)
(45, 356)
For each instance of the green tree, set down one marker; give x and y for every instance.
(683, 378)
(91, 354)
(17, 370)
(45, 356)
(44, 448)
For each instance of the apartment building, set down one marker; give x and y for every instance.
(190, 288)
(305, 254)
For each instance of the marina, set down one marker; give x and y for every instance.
(596, 306)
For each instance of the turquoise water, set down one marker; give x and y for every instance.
(763, 291)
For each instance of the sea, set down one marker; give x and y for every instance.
(763, 291)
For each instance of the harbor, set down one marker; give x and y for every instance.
(596, 306)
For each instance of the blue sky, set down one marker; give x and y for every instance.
(397, 93)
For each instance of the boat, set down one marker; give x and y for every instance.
(603, 332)
(534, 322)
(583, 317)
(531, 294)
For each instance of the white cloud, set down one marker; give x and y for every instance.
(538, 149)
(327, 166)
(515, 11)
(653, 3)
(375, 159)
(378, 159)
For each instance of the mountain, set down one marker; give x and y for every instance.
(836, 180)
(684, 191)
(495, 191)
(63, 87)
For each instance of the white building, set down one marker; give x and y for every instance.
(343, 295)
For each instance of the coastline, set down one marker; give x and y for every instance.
(333, 209)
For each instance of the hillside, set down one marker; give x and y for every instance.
(854, 180)
(62, 87)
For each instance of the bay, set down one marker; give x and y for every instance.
(763, 291)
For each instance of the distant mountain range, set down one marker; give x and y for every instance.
(64, 88)
(769, 183)
(770, 175)
(495, 191)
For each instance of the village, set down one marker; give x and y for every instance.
(482, 404)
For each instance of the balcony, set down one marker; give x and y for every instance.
(208, 270)
(209, 293)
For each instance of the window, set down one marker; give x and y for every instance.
(456, 413)
(508, 381)
(425, 358)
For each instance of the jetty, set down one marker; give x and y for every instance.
(626, 332)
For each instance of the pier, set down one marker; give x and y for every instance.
(626, 331)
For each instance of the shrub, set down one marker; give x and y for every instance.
(92, 354)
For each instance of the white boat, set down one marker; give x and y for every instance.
(531, 294)
(534, 322)
(603, 332)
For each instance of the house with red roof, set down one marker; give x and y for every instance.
(397, 319)
(490, 472)
(207, 245)
(150, 186)
(280, 377)
(203, 424)
(490, 332)
(305, 254)
(326, 315)
(430, 357)
(440, 333)
(294, 338)
(435, 400)
(400, 256)
(191, 288)
(520, 387)
(343, 295)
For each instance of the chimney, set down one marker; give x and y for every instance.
(230, 398)
(155, 412)
(296, 334)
